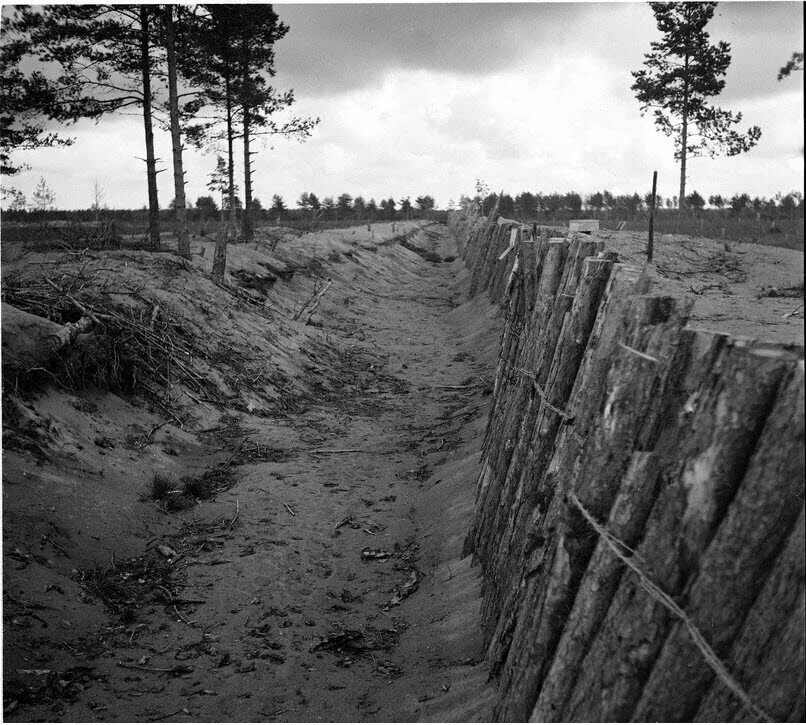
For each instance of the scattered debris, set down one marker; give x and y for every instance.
(127, 586)
(167, 551)
(796, 291)
(175, 671)
(348, 639)
(378, 554)
(387, 668)
(405, 590)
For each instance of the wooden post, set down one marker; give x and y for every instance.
(650, 247)
(220, 254)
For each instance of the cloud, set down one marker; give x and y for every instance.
(525, 97)
(332, 49)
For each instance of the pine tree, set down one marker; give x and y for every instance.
(27, 101)
(682, 72)
(235, 58)
(104, 58)
(43, 198)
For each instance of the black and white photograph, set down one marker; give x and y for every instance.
(403, 362)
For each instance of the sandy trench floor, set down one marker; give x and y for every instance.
(359, 541)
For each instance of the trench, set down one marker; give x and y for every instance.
(339, 592)
(426, 502)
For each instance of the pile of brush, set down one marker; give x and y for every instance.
(96, 341)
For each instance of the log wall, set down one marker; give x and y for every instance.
(640, 505)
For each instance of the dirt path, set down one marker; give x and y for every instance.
(326, 597)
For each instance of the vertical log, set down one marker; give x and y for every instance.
(702, 474)
(627, 518)
(625, 282)
(552, 400)
(650, 245)
(220, 254)
(510, 414)
(521, 490)
(635, 384)
(738, 560)
(768, 655)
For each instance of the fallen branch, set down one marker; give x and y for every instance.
(326, 451)
(236, 451)
(799, 308)
(237, 511)
(312, 303)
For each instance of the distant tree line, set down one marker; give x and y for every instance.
(529, 206)
(343, 208)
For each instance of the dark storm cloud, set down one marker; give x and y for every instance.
(335, 48)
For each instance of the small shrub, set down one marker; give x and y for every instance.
(197, 488)
(162, 485)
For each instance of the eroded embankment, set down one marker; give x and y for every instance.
(304, 562)
(639, 516)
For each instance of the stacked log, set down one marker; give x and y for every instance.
(639, 516)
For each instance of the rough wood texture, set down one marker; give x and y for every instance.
(768, 655)
(220, 253)
(627, 518)
(509, 408)
(732, 571)
(687, 446)
(537, 437)
(515, 413)
(624, 283)
(706, 468)
(635, 384)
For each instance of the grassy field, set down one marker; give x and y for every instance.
(786, 233)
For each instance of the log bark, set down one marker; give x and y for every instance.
(753, 523)
(180, 207)
(769, 652)
(625, 282)
(535, 448)
(634, 384)
(151, 160)
(627, 519)
(702, 472)
(220, 254)
(511, 405)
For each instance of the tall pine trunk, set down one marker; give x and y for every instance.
(247, 179)
(233, 218)
(180, 209)
(681, 203)
(151, 160)
(247, 156)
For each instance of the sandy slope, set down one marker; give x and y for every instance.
(392, 370)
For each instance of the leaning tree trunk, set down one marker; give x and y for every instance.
(180, 209)
(151, 160)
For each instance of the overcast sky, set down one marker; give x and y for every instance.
(425, 99)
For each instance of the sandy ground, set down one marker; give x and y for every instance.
(266, 593)
(325, 583)
(747, 290)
